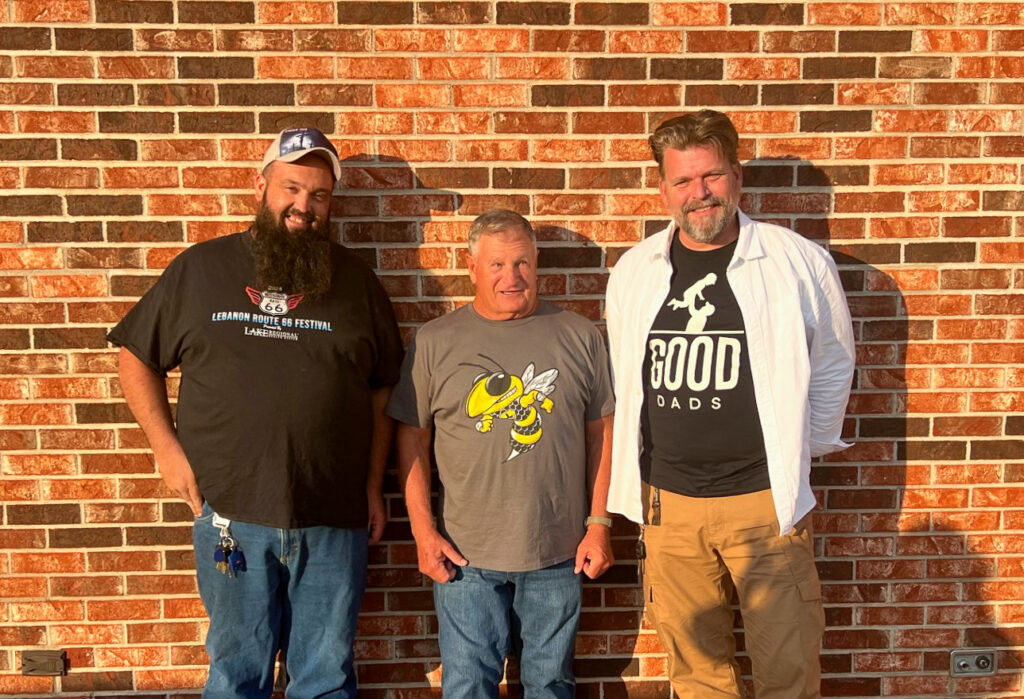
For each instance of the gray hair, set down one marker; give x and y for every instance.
(498, 221)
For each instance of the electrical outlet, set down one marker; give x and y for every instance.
(44, 662)
(972, 662)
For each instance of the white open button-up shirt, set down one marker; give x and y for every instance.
(800, 341)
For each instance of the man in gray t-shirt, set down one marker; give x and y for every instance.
(516, 394)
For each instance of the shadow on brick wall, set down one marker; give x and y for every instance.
(901, 583)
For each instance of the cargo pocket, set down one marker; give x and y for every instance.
(799, 551)
(810, 590)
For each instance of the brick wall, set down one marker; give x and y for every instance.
(890, 132)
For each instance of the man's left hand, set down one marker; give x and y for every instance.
(594, 554)
(378, 516)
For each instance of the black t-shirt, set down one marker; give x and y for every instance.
(274, 409)
(699, 426)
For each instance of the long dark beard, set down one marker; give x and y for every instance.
(297, 263)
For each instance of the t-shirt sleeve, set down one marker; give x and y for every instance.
(152, 330)
(410, 401)
(389, 342)
(602, 397)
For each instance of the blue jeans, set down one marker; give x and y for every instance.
(483, 615)
(300, 594)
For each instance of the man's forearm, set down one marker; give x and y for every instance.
(599, 463)
(414, 475)
(146, 394)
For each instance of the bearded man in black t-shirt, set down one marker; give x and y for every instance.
(288, 349)
(732, 350)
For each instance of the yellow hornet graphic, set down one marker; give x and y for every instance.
(498, 394)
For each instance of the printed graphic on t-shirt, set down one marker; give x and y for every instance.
(273, 302)
(499, 395)
(699, 312)
(686, 364)
(273, 323)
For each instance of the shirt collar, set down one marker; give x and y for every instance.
(748, 246)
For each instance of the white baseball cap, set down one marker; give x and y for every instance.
(297, 142)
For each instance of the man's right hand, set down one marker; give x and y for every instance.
(178, 476)
(437, 557)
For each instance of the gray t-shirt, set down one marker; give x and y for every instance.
(508, 402)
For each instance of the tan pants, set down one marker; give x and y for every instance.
(698, 550)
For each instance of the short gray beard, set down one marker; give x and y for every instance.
(713, 227)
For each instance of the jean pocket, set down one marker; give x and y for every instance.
(206, 515)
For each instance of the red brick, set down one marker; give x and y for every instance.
(35, 414)
(844, 13)
(186, 149)
(26, 93)
(123, 610)
(42, 11)
(452, 122)
(583, 40)
(183, 205)
(304, 67)
(175, 40)
(564, 150)
(86, 634)
(808, 148)
(168, 679)
(762, 68)
(483, 95)
(491, 40)
(924, 174)
(295, 12)
(491, 149)
(532, 68)
(445, 68)
(417, 151)
(974, 120)
(140, 177)
(904, 227)
(688, 14)
(405, 40)
(991, 13)
(413, 95)
(136, 67)
(949, 201)
(141, 656)
(910, 120)
(55, 67)
(932, 13)
(962, 173)
(633, 41)
(1001, 252)
(873, 93)
(118, 561)
(56, 122)
(14, 685)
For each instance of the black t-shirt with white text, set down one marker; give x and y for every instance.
(274, 406)
(699, 425)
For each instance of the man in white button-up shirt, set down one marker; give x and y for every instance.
(732, 352)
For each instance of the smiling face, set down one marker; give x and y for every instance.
(298, 194)
(700, 189)
(504, 272)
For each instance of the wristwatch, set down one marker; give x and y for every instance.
(593, 519)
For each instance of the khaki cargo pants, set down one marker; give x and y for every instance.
(699, 550)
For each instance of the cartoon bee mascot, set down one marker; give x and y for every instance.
(504, 396)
